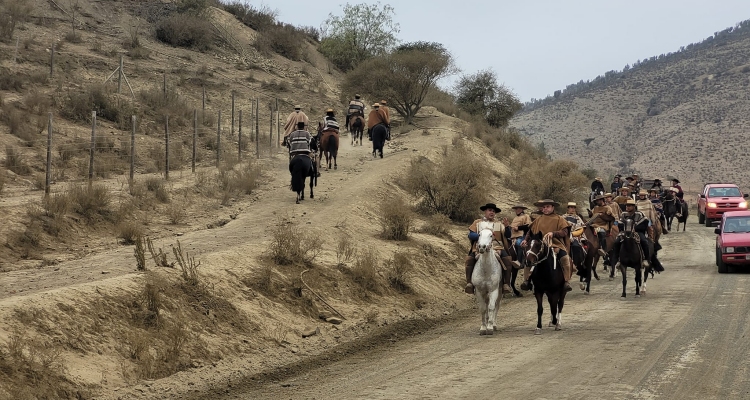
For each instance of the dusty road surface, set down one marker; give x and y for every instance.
(686, 338)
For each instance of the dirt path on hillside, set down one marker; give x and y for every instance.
(684, 339)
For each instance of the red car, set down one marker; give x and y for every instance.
(718, 198)
(733, 240)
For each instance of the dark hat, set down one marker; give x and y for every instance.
(519, 206)
(675, 180)
(356, 96)
(618, 176)
(490, 206)
(546, 202)
(600, 197)
(629, 178)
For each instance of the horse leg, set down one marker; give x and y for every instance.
(560, 304)
(539, 311)
(493, 302)
(482, 303)
(513, 276)
(312, 180)
(298, 199)
(552, 300)
(638, 280)
(624, 280)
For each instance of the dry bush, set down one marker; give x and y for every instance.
(3, 178)
(73, 37)
(345, 249)
(396, 218)
(78, 106)
(399, 267)
(129, 231)
(14, 161)
(455, 185)
(560, 180)
(159, 257)
(188, 266)
(157, 186)
(20, 124)
(139, 251)
(365, 270)
(292, 245)
(177, 212)
(243, 180)
(10, 80)
(170, 103)
(437, 225)
(91, 201)
(186, 30)
(37, 102)
(12, 13)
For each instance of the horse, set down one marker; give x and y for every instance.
(357, 128)
(671, 208)
(682, 216)
(329, 145)
(516, 253)
(301, 166)
(379, 133)
(546, 278)
(631, 255)
(586, 257)
(486, 279)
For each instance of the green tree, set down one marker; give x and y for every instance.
(362, 32)
(481, 94)
(404, 77)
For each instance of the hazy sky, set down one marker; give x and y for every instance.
(537, 47)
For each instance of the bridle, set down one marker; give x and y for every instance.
(536, 255)
(492, 232)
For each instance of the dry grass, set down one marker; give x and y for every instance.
(345, 249)
(129, 231)
(188, 266)
(293, 245)
(186, 30)
(399, 267)
(455, 185)
(140, 254)
(14, 161)
(91, 201)
(177, 212)
(396, 218)
(365, 270)
(437, 225)
(158, 188)
(560, 180)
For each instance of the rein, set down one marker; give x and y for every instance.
(538, 260)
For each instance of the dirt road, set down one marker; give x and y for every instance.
(685, 339)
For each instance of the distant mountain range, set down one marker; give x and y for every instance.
(683, 114)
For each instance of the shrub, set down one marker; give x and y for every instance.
(129, 231)
(186, 30)
(365, 270)
(3, 178)
(176, 213)
(10, 81)
(79, 106)
(396, 218)
(344, 250)
(437, 225)
(292, 245)
(560, 180)
(156, 185)
(90, 200)
(14, 161)
(455, 185)
(73, 37)
(399, 268)
(13, 13)
(259, 19)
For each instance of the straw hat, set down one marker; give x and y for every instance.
(546, 202)
(356, 96)
(519, 206)
(630, 202)
(625, 188)
(598, 179)
(376, 105)
(330, 110)
(383, 102)
(600, 197)
(608, 195)
(490, 206)
(643, 193)
(298, 107)
(572, 204)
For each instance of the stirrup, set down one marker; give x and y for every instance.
(567, 286)
(602, 252)
(525, 285)
(645, 264)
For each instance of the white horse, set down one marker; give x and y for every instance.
(486, 279)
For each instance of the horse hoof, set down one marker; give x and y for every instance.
(490, 332)
(622, 297)
(596, 277)
(335, 167)
(297, 201)
(587, 293)
(538, 331)
(551, 324)
(582, 286)
(494, 328)
(482, 332)
(611, 278)
(312, 197)
(558, 327)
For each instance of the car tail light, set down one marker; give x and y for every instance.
(711, 205)
(743, 204)
(729, 249)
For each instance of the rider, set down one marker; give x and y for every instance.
(657, 186)
(329, 120)
(376, 117)
(356, 107)
(647, 208)
(293, 119)
(500, 244)
(676, 185)
(577, 223)
(623, 197)
(601, 222)
(597, 186)
(518, 228)
(387, 111)
(555, 229)
(653, 196)
(536, 213)
(616, 211)
(616, 184)
(299, 141)
(642, 226)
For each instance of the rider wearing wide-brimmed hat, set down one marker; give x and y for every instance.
(609, 201)
(676, 185)
(329, 120)
(499, 245)
(625, 195)
(356, 107)
(294, 119)
(557, 230)
(601, 221)
(642, 224)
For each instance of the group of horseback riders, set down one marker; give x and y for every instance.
(565, 233)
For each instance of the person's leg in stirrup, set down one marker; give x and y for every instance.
(470, 261)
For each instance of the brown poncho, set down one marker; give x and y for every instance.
(554, 223)
(292, 120)
(377, 117)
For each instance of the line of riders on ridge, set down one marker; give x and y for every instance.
(299, 141)
(565, 233)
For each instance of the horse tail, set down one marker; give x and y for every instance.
(333, 144)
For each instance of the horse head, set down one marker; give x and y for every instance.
(537, 252)
(486, 236)
(629, 228)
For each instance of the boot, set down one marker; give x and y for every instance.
(525, 285)
(508, 272)
(470, 261)
(567, 272)
(602, 244)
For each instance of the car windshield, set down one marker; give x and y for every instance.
(724, 192)
(737, 225)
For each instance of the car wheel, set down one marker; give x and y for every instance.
(701, 218)
(720, 263)
(708, 221)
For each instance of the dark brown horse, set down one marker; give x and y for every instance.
(329, 145)
(357, 128)
(547, 278)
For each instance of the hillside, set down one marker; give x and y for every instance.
(682, 115)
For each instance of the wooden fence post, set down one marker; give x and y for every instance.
(164, 85)
(52, 60)
(93, 146)
(195, 137)
(239, 139)
(270, 135)
(119, 77)
(278, 127)
(49, 155)
(257, 130)
(166, 147)
(231, 134)
(203, 116)
(132, 148)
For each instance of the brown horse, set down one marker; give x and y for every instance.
(329, 145)
(592, 256)
(357, 128)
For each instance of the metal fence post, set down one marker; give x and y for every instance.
(93, 146)
(49, 155)
(195, 137)
(239, 139)
(132, 148)
(218, 139)
(166, 147)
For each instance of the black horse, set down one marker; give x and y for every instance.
(631, 255)
(379, 133)
(546, 278)
(302, 166)
(586, 258)
(682, 216)
(672, 207)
